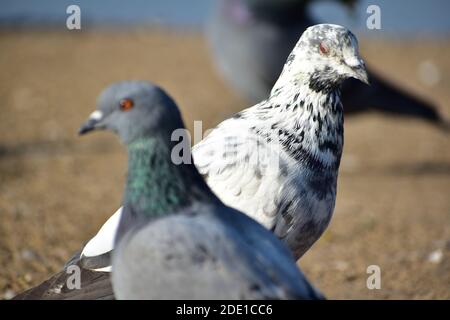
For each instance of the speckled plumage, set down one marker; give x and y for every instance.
(300, 126)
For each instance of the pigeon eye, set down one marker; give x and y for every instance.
(126, 104)
(323, 48)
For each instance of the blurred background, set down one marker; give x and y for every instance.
(216, 58)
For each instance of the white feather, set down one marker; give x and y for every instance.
(103, 241)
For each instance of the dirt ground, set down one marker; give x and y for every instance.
(56, 189)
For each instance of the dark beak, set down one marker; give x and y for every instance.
(93, 123)
(87, 127)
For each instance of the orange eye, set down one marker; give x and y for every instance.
(324, 48)
(126, 104)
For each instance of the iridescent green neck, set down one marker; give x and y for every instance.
(155, 186)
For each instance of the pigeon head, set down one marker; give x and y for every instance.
(134, 109)
(324, 57)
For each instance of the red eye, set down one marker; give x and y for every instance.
(126, 104)
(324, 48)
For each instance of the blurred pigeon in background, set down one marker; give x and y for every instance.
(251, 39)
(176, 239)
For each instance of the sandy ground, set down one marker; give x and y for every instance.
(56, 189)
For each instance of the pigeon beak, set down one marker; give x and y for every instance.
(359, 72)
(92, 123)
(357, 68)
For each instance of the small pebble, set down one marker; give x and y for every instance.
(28, 277)
(9, 294)
(341, 265)
(436, 256)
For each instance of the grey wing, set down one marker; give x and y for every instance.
(276, 258)
(61, 286)
(300, 219)
(238, 166)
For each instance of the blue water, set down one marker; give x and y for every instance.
(398, 17)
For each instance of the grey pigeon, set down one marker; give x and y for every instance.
(176, 239)
(251, 39)
(300, 127)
